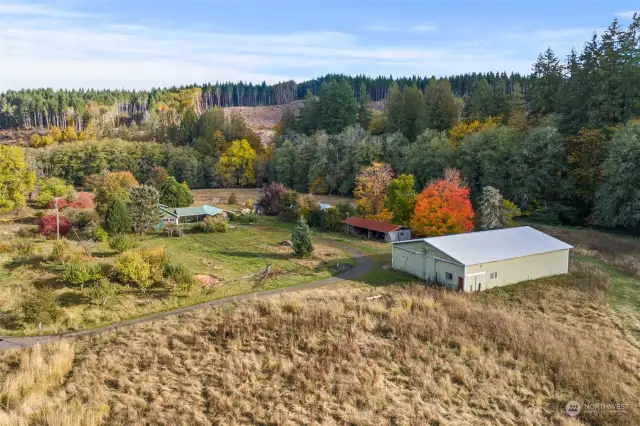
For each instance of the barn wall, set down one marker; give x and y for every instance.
(511, 271)
(409, 258)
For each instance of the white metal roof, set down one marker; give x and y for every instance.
(500, 244)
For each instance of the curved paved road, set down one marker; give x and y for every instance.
(363, 265)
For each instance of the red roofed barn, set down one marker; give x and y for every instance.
(373, 229)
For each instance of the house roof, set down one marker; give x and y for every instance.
(197, 211)
(490, 246)
(372, 225)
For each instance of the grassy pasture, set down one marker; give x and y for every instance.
(219, 196)
(220, 258)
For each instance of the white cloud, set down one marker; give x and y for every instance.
(628, 14)
(73, 52)
(423, 28)
(397, 28)
(37, 9)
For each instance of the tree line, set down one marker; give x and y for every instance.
(43, 108)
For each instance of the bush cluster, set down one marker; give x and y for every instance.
(122, 243)
(211, 224)
(99, 234)
(80, 272)
(40, 307)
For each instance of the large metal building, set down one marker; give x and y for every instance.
(482, 260)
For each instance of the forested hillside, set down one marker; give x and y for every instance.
(561, 143)
(43, 108)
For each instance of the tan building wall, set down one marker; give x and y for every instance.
(511, 271)
(435, 265)
(432, 266)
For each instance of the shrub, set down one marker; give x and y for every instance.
(47, 225)
(40, 307)
(289, 205)
(79, 272)
(301, 239)
(99, 234)
(249, 204)
(245, 217)
(232, 200)
(158, 259)
(60, 247)
(331, 219)
(122, 243)
(82, 218)
(183, 280)
(131, 268)
(101, 291)
(39, 141)
(214, 224)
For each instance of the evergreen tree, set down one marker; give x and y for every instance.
(301, 239)
(144, 208)
(337, 108)
(365, 112)
(117, 217)
(547, 78)
(482, 104)
(308, 121)
(618, 198)
(174, 194)
(496, 212)
(441, 110)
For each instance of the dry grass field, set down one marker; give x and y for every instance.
(413, 356)
(219, 196)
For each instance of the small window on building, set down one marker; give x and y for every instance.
(493, 275)
(449, 276)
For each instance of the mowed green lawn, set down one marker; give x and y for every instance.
(220, 260)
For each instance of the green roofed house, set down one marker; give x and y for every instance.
(177, 215)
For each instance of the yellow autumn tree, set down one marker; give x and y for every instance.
(15, 178)
(236, 167)
(55, 133)
(462, 129)
(69, 134)
(371, 191)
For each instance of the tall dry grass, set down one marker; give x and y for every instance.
(30, 380)
(620, 252)
(414, 356)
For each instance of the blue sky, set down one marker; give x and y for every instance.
(145, 43)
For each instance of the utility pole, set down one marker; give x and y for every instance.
(57, 220)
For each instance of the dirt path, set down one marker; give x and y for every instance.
(363, 265)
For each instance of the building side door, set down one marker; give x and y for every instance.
(460, 283)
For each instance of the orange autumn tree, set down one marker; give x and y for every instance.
(371, 191)
(443, 207)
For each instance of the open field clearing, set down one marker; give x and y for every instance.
(414, 356)
(219, 261)
(219, 196)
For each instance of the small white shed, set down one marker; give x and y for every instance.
(478, 261)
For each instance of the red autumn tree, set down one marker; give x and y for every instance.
(47, 225)
(443, 208)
